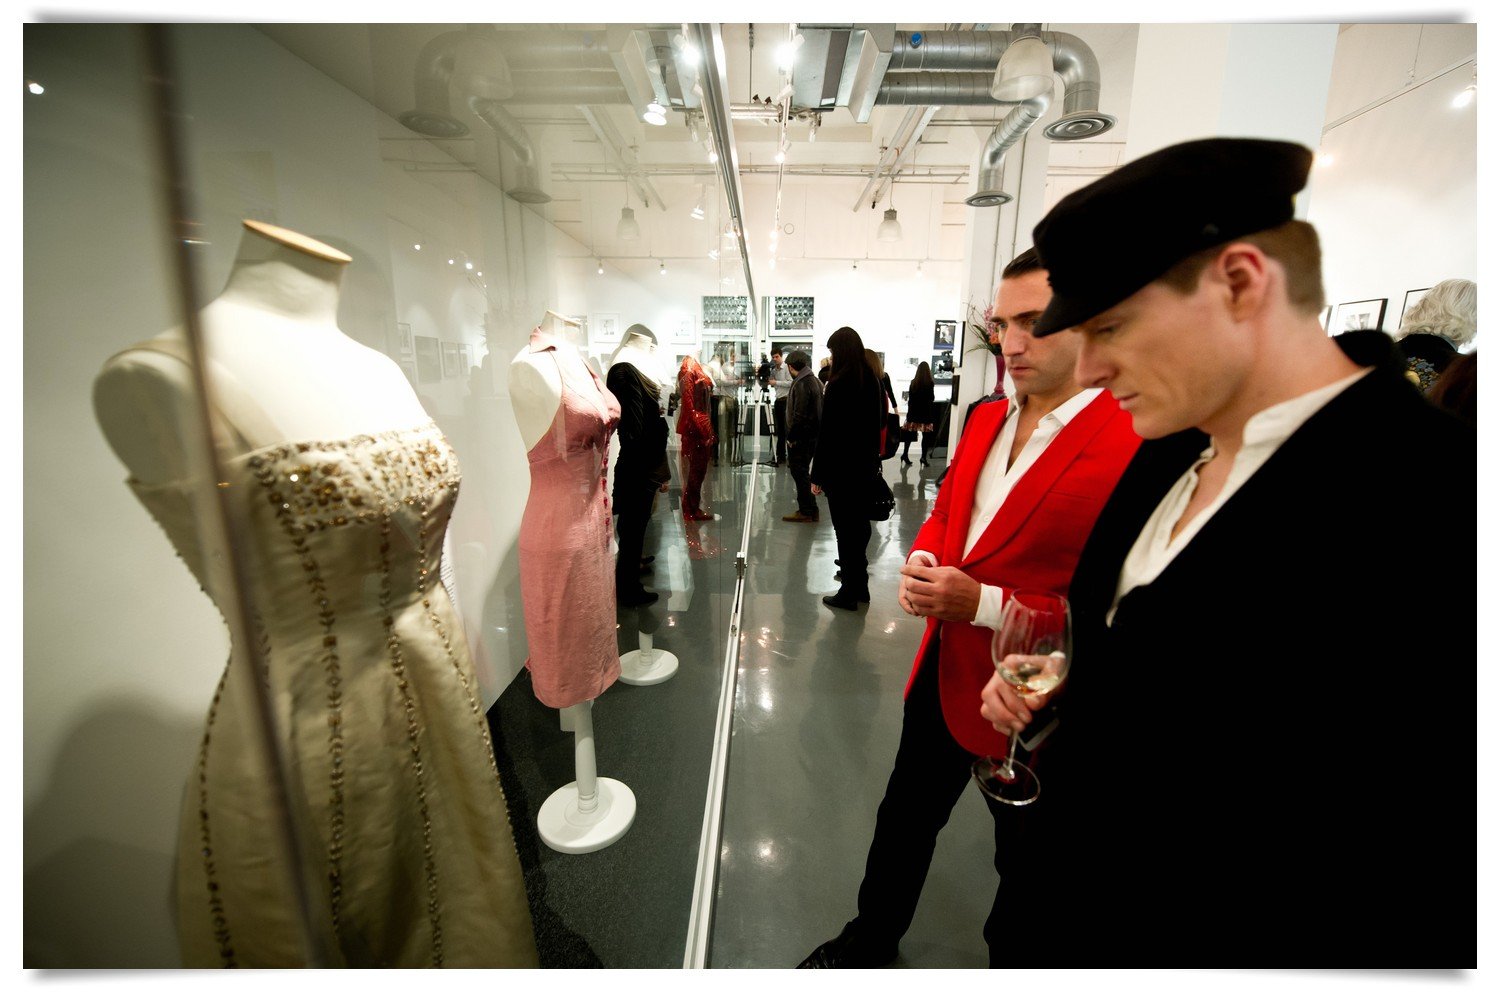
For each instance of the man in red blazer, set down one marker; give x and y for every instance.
(1026, 482)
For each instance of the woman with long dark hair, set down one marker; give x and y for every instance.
(846, 459)
(921, 415)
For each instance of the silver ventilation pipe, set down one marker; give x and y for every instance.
(948, 51)
(552, 49)
(1075, 62)
(952, 89)
(436, 65)
(510, 131)
(992, 160)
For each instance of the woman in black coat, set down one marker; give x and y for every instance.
(847, 458)
(921, 414)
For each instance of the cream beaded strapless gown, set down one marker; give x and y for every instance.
(411, 856)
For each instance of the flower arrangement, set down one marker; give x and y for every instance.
(984, 329)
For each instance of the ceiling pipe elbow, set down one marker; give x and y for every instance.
(1022, 117)
(1075, 62)
(437, 65)
(513, 133)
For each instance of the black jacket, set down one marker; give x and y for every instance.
(804, 407)
(919, 408)
(1269, 759)
(849, 434)
(643, 430)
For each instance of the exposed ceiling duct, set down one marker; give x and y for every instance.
(991, 160)
(1075, 63)
(510, 131)
(948, 51)
(437, 65)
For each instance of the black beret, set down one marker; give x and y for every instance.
(1102, 243)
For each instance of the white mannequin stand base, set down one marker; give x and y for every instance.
(648, 665)
(591, 812)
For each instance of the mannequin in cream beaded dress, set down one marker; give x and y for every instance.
(340, 488)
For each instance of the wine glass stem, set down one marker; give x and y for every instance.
(1009, 771)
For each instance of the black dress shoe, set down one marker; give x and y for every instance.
(844, 600)
(636, 597)
(848, 951)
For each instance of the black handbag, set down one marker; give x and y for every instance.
(882, 500)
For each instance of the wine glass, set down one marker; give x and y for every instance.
(1031, 651)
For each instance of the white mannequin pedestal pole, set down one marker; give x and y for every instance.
(592, 812)
(647, 666)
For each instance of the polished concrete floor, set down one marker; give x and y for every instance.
(817, 719)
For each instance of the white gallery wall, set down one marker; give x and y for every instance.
(1394, 194)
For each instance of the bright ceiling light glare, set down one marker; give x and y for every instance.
(780, 155)
(469, 266)
(786, 53)
(1324, 159)
(416, 247)
(450, 261)
(36, 88)
(601, 268)
(691, 53)
(479, 274)
(713, 156)
(1464, 97)
(662, 268)
(655, 114)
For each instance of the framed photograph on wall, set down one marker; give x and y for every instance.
(605, 327)
(944, 332)
(450, 359)
(429, 359)
(942, 366)
(403, 339)
(1361, 315)
(1413, 297)
(685, 331)
(465, 358)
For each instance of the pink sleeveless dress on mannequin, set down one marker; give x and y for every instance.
(567, 570)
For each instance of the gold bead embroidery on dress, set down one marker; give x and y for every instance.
(205, 834)
(271, 481)
(398, 670)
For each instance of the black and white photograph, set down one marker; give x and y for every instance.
(942, 366)
(1361, 315)
(944, 332)
(451, 360)
(1413, 297)
(605, 327)
(429, 359)
(685, 331)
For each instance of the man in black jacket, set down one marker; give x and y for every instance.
(1266, 748)
(804, 405)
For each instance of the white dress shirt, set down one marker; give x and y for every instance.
(1155, 547)
(996, 480)
(781, 380)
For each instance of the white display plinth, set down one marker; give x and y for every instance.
(648, 665)
(564, 827)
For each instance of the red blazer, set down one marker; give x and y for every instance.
(1033, 542)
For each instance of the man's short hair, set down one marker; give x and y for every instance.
(1293, 244)
(1027, 261)
(775, 351)
(798, 360)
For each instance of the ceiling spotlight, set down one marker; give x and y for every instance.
(628, 229)
(780, 155)
(661, 268)
(713, 156)
(855, 266)
(601, 267)
(1324, 159)
(919, 270)
(786, 53)
(469, 266)
(416, 247)
(1025, 70)
(1464, 97)
(37, 89)
(890, 228)
(655, 114)
(479, 274)
(450, 261)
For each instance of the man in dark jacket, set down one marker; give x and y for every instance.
(804, 405)
(1266, 747)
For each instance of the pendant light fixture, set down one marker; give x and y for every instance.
(890, 228)
(628, 229)
(697, 213)
(655, 114)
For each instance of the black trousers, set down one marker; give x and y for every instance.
(778, 416)
(799, 461)
(849, 509)
(634, 506)
(931, 772)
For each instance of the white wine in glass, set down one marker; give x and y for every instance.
(1031, 651)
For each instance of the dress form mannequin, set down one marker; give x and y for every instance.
(591, 812)
(358, 637)
(646, 665)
